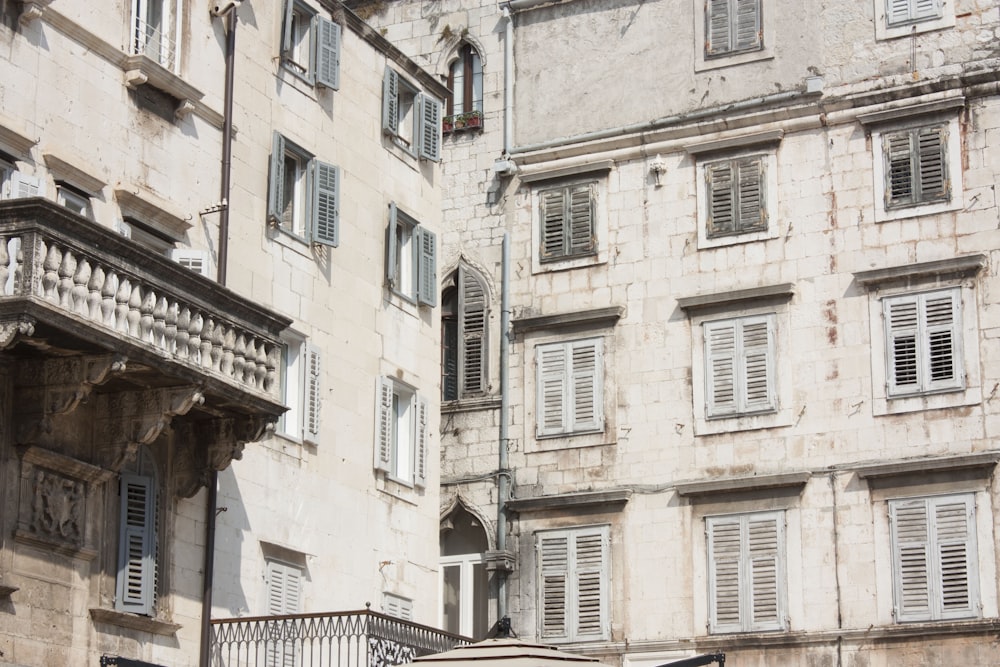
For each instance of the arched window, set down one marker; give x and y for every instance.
(465, 80)
(464, 314)
(464, 580)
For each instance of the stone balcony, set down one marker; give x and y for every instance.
(88, 317)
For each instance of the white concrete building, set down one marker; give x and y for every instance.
(129, 384)
(752, 357)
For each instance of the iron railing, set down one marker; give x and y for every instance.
(333, 639)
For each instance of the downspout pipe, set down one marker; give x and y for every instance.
(208, 578)
(503, 465)
(508, 81)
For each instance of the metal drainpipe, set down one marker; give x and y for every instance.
(503, 472)
(208, 578)
(508, 81)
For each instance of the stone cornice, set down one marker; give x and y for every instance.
(610, 500)
(955, 267)
(982, 462)
(740, 484)
(737, 298)
(596, 318)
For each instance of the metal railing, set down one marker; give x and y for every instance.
(333, 639)
(153, 42)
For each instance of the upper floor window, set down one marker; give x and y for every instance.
(138, 547)
(411, 260)
(303, 196)
(901, 18)
(465, 80)
(410, 117)
(902, 12)
(924, 342)
(735, 196)
(300, 389)
(310, 45)
(154, 30)
(573, 584)
(401, 433)
(567, 221)
(16, 184)
(570, 387)
(732, 26)
(739, 358)
(464, 316)
(74, 199)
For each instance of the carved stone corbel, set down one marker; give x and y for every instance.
(11, 328)
(32, 10)
(211, 445)
(131, 419)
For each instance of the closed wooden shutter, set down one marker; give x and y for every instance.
(136, 584)
(746, 576)
(430, 127)
(721, 218)
(427, 287)
(553, 557)
(390, 102)
(553, 217)
(567, 222)
(473, 318)
(757, 375)
(581, 220)
(763, 554)
(916, 166)
(574, 572)
(591, 582)
(724, 548)
(732, 26)
(901, 12)
(570, 387)
(325, 219)
(739, 357)
(552, 375)
(327, 53)
(735, 196)
(312, 394)
(923, 342)
(586, 385)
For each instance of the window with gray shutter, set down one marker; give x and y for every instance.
(903, 12)
(411, 118)
(429, 121)
(327, 53)
(923, 342)
(573, 584)
(137, 569)
(567, 222)
(325, 218)
(411, 258)
(935, 570)
(739, 357)
(746, 572)
(401, 433)
(464, 316)
(569, 387)
(303, 196)
(732, 26)
(312, 394)
(736, 194)
(916, 166)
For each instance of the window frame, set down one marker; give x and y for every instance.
(465, 81)
(467, 607)
(923, 333)
(315, 200)
(300, 389)
(140, 36)
(566, 586)
(745, 573)
(562, 384)
(742, 404)
(767, 170)
(411, 118)
(563, 206)
(138, 571)
(411, 259)
(761, 49)
(68, 195)
(465, 336)
(396, 402)
(322, 52)
(886, 28)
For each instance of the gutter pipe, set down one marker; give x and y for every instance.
(503, 472)
(508, 81)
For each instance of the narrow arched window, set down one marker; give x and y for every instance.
(464, 315)
(465, 80)
(464, 579)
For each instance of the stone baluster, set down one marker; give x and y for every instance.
(183, 332)
(94, 300)
(170, 334)
(50, 277)
(108, 306)
(228, 343)
(79, 293)
(159, 321)
(67, 269)
(4, 264)
(146, 307)
(134, 315)
(260, 365)
(18, 266)
(216, 345)
(194, 342)
(273, 365)
(239, 356)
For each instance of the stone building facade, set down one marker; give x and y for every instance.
(302, 389)
(752, 361)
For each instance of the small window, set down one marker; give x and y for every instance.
(310, 45)
(935, 569)
(906, 12)
(154, 31)
(300, 386)
(732, 26)
(746, 572)
(401, 433)
(464, 317)
(284, 597)
(735, 194)
(16, 184)
(924, 342)
(74, 199)
(567, 221)
(739, 357)
(198, 261)
(397, 606)
(138, 551)
(411, 261)
(574, 568)
(569, 387)
(303, 194)
(411, 118)
(916, 166)
(465, 80)
(904, 18)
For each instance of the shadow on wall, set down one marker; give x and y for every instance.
(231, 527)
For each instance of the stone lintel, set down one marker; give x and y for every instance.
(593, 319)
(568, 171)
(134, 622)
(76, 172)
(769, 138)
(736, 298)
(954, 267)
(904, 112)
(153, 211)
(983, 462)
(738, 484)
(613, 500)
(67, 465)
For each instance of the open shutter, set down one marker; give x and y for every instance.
(724, 573)
(390, 102)
(720, 360)
(553, 559)
(763, 536)
(327, 53)
(553, 217)
(472, 314)
(721, 207)
(427, 291)
(954, 519)
(23, 185)
(383, 425)
(747, 36)
(325, 218)
(932, 163)
(287, 28)
(941, 319)
(717, 27)
(276, 182)
(581, 220)
(756, 382)
(585, 384)
(552, 375)
(312, 394)
(591, 562)
(420, 455)
(750, 188)
(137, 545)
(911, 552)
(390, 246)
(430, 127)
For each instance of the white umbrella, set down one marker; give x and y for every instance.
(505, 652)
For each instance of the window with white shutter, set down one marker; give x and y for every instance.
(935, 569)
(397, 606)
(923, 342)
(401, 433)
(739, 357)
(746, 555)
(464, 317)
(16, 184)
(905, 18)
(301, 389)
(284, 597)
(569, 387)
(411, 118)
(193, 260)
(310, 45)
(303, 197)
(411, 258)
(732, 26)
(573, 584)
(567, 222)
(906, 12)
(735, 196)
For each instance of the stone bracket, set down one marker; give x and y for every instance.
(500, 561)
(210, 445)
(13, 327)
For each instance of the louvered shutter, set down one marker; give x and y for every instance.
(746, 577)
(923, 342)
(327, 53)
(916, 166)
(932, 163)
(899, 170)
(732, 26)
(22, 185)
(287, 29)
(553, 558)
(900, 12)
(747, 36)
(941, 319)
(724, 573)
(756, 379)
(420, 455)
(586, 377)
(430, 127)
(717, 27)
(193, 260)
(552, 376)
(325, 218)
(391, 248)
(763, 555)
(590, 560)
(390, 102)
(136, 584)
(427, 291)
(384, 435)
(721, 206)
(581, 220)
(953, 526)
(276, 182)
(312, 394)
(721, 363)
(553, 217)
(901, 347)
(750, 188)
(472, 321)
(284, 593)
